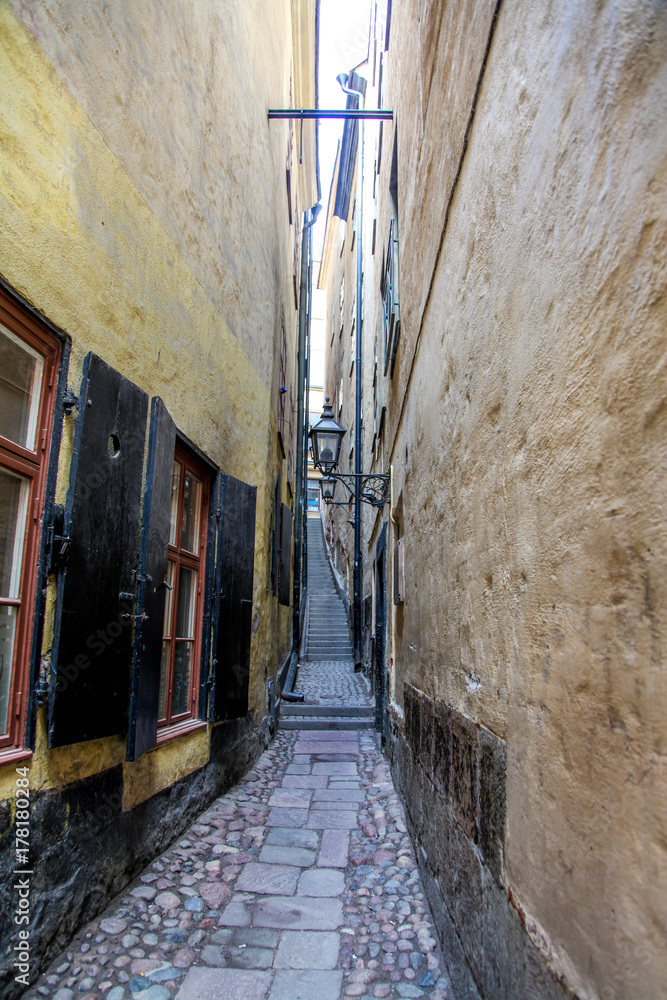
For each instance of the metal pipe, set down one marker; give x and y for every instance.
(383, 114)
(291, 696)
(306, 422)
(299, 492)
(357, 581)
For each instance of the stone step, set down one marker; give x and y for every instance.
(339, 656)
(293, 708)
(327, 723)
(324, 635)
(324, 628)
(328, 652)
(333, 640)
(341, 642)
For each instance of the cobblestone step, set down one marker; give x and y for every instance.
(339, 724)
(329, 652)
(330, 647)
(300, 882)
(349, 711)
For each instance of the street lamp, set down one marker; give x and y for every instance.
(328, 488)
(326, 437)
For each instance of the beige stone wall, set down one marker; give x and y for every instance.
(339, 268)
(526, 427)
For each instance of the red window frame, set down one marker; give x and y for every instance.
(181, 558)
(33, 466)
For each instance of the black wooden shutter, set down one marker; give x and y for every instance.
(285, 554)
(275, 556)
(211, 602)
(151, 591)
(234, 584)
(92, 649)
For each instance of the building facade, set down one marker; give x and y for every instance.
(513, 380)
(150, 297)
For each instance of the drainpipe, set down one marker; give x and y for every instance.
(357, 638)
(304, 316)
(304, 567)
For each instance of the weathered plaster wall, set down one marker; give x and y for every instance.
(110, 276)
(179, 92)
(527, 431)
(144, 211)
(339, 265)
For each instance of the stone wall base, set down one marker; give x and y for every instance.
(488, 951)
(86, 850)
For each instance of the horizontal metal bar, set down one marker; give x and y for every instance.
(320, 113)
(383, 476)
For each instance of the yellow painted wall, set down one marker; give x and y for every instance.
(167, 257)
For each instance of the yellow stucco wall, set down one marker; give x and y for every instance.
(88, 238)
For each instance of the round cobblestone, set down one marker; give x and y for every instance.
(153, 935)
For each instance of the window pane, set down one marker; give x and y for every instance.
(175, 487)
(20, 387)
(168, 602)
(185, 611)
(13, 509)
(164, 666)
(181, 688)
(7, 636)
(191, 513)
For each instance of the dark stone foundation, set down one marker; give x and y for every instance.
(451, 773)
(84, 849)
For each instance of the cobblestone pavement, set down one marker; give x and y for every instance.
(332, 682)
(299, 884)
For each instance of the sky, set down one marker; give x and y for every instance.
(343, 43)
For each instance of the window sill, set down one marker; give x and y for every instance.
(179, 729)
(11, 755)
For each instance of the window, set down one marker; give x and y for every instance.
(282, 388)
(290, 443)
(389, 287)
(313, 496)
(390, 301)
(29, 357)
(179, 669)
(297, 253)
(354, 223)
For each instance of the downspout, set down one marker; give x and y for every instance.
(304, 567)
(300, 422)
(357, 580)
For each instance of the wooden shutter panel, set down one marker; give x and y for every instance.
(92, 649)
(285, 554)
(211, 602)
(151, 592)
(275, 555)
(234, 584)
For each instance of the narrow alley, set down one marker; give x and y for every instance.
(333, 500)
(300, 883)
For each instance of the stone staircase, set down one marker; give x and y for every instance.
(335, 697)
(320, 717)
(328, 630)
